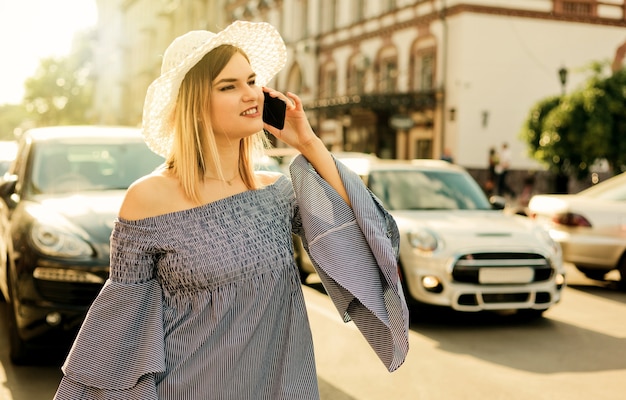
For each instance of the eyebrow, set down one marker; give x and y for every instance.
(229, 80)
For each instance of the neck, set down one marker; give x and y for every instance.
(229, 162)
(229, 182)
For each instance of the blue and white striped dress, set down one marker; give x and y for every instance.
(206, 303)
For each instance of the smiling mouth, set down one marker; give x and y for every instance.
(250, 111)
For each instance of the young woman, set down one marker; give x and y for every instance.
(204, 299)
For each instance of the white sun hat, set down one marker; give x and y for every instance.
(259, 40)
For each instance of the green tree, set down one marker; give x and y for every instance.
(12, 116)
(611, 101)
(61, 90)
(569, 134)
(543, 145)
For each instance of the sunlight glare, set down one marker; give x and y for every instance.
(37, 29)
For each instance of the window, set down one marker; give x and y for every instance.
(423, 63)
(424, 148)
(388, 75)
(356, 74)
(438, 190)
(328, 84)
(331, 84)
(573, 7)
(300, 28)
(329, 15)
(359, 13)
(424, 71)
(576, 7)
(69, 167)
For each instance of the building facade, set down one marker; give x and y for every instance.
(399, 78)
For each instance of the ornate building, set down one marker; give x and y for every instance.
(399, 78)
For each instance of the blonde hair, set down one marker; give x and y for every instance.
(193, 132)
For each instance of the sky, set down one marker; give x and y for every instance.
(34, 29)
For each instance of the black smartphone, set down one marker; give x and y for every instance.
(274, 111)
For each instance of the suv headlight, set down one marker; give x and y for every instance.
(56, 242)
(423, 239)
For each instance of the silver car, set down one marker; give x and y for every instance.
(457, 250)
(589, 225)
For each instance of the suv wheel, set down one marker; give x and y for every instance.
(18, 349)
(591, 273)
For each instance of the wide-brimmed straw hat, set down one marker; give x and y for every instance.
(259, 40)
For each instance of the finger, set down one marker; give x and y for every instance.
(294, 100)
(275, 93)
(290, 104)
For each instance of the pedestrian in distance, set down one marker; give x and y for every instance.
(492, 176)
(204, 299)
(502, 171)
(447, 155)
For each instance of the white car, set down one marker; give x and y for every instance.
(459, 251)
(590, 226)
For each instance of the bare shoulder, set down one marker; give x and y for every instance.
(268, 178)
(152, 195)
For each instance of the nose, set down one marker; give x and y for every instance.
(250, 94)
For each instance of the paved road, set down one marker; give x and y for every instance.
(577, 352)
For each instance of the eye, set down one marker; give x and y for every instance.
(226, 88)
(252, 82)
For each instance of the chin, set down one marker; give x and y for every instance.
(256, 130)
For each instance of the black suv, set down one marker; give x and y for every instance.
(60, 198)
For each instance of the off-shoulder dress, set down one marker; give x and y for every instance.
(206, 303)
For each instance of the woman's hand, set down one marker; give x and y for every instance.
(297, 131)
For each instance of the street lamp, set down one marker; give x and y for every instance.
(563, 79)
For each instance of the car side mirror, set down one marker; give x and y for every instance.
(497, 202)
(7, 188)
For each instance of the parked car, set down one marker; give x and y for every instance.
(60, 198)
(590, 226)
(458, 250)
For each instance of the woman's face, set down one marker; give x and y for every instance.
(236, 101)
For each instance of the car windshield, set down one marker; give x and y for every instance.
(613, 189)
(8, 150)
(427, 190)
(63, 167)
(4, 166)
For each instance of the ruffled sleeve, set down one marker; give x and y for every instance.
(121, 342)
(355, 252)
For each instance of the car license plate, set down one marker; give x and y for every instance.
(505, 275)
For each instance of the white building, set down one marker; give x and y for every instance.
(399, 78)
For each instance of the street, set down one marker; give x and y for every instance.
(578, 351)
